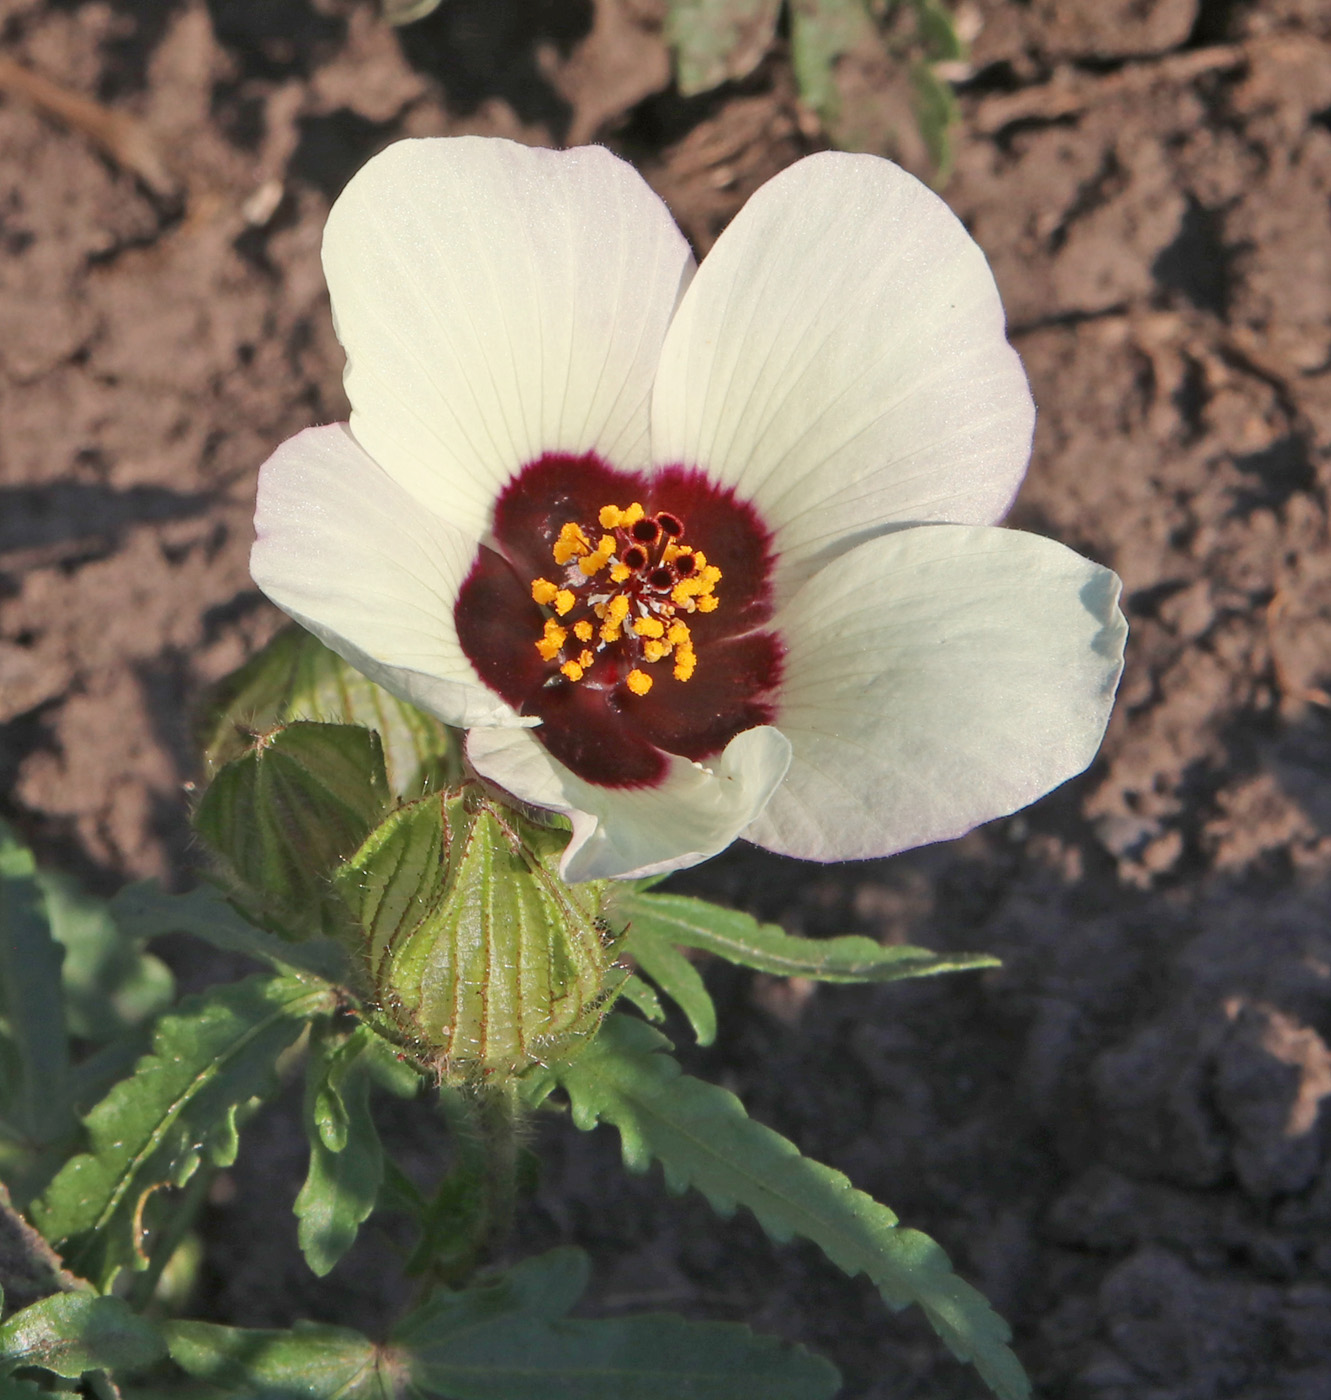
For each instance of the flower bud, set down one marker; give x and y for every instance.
(284, 814)
(481, 961)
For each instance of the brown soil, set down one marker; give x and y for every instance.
(1119, 1135)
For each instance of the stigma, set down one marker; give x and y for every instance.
(618, 599)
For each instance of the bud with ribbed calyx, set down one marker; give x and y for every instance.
(285, 813)
(480, 960)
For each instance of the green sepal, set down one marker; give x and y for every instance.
(740, 938)
(286, 812)
(480, 961)
(703, 1138)
(295, 677)
(346, 1159)
(70, 1333)
(209, 1058)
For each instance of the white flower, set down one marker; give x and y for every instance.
(693, 554)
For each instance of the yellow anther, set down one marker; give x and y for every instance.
(616, 610)
(709, 602)
(682, 593)
(610, 516)
(593, 563)
(649, 627)
(543, 591)
(619, 572)
(572, 669)
(564, 600)
(583, 630)
(632, 515)
(711, 575)
(571, 544)
(606, 545)
(585, 659)
(686, 661)
(654, 651)
(550, 644)
(699, 558)
(671, 552)
(639, 682)
(678, 634)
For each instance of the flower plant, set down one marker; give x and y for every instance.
(618, 560)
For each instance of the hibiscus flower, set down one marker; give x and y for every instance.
(692, 552)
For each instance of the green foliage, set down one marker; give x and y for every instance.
(703, 1138)
(657, 919)
(718, 41)
(296, 677)
(35, 1093)
(179, 1108)
(286, 813)
(70, 1333)
(677, 978)
(482, 960)
(346, 1159)
(145, 910)
(507, 1339)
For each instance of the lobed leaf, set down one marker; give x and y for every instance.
(296, 677)
(678, 979)
(346, 1159)
(740, 938)
(718, 41)
(703, 1138)
(145, 910)
(70, 1333)
(36, 1097)
(153, 1129)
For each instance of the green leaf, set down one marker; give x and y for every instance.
(937, 114)
(740, 938)
(703, 1138)
(70, 1333)
(643, 997)
(153, 1129)
(296, 677)
(36, 1091)
(678, 979)
(346, 1159)
(938, 33)
(821, 33)
(145, 910)
(310, 1362)
(511, 1340)
(717, 41)
(287, 812)
(111, 985)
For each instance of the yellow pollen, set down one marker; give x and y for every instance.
(571, 544)
(585, 659)
(610, 517)
(686, 661)
(654, 651)
(709, 602)
(682, 593)
(639, 682)
(699, 558)
(543, 591)
(711, 575)
(632, 515)
(678, 634)
(593, 563)
(606, 545)
(649, 627)
(552, 641)
(564, 600)
(616, 610)
(672, 552)
(619, 572)
(572, 669)
(583, 630)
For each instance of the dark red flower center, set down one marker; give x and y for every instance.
(625, 611)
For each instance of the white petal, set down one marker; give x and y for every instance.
(936, 678)
(497, 302)
(840, 359)
(345, 551)
(619, 833)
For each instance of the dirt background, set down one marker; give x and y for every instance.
(1119, 1136)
